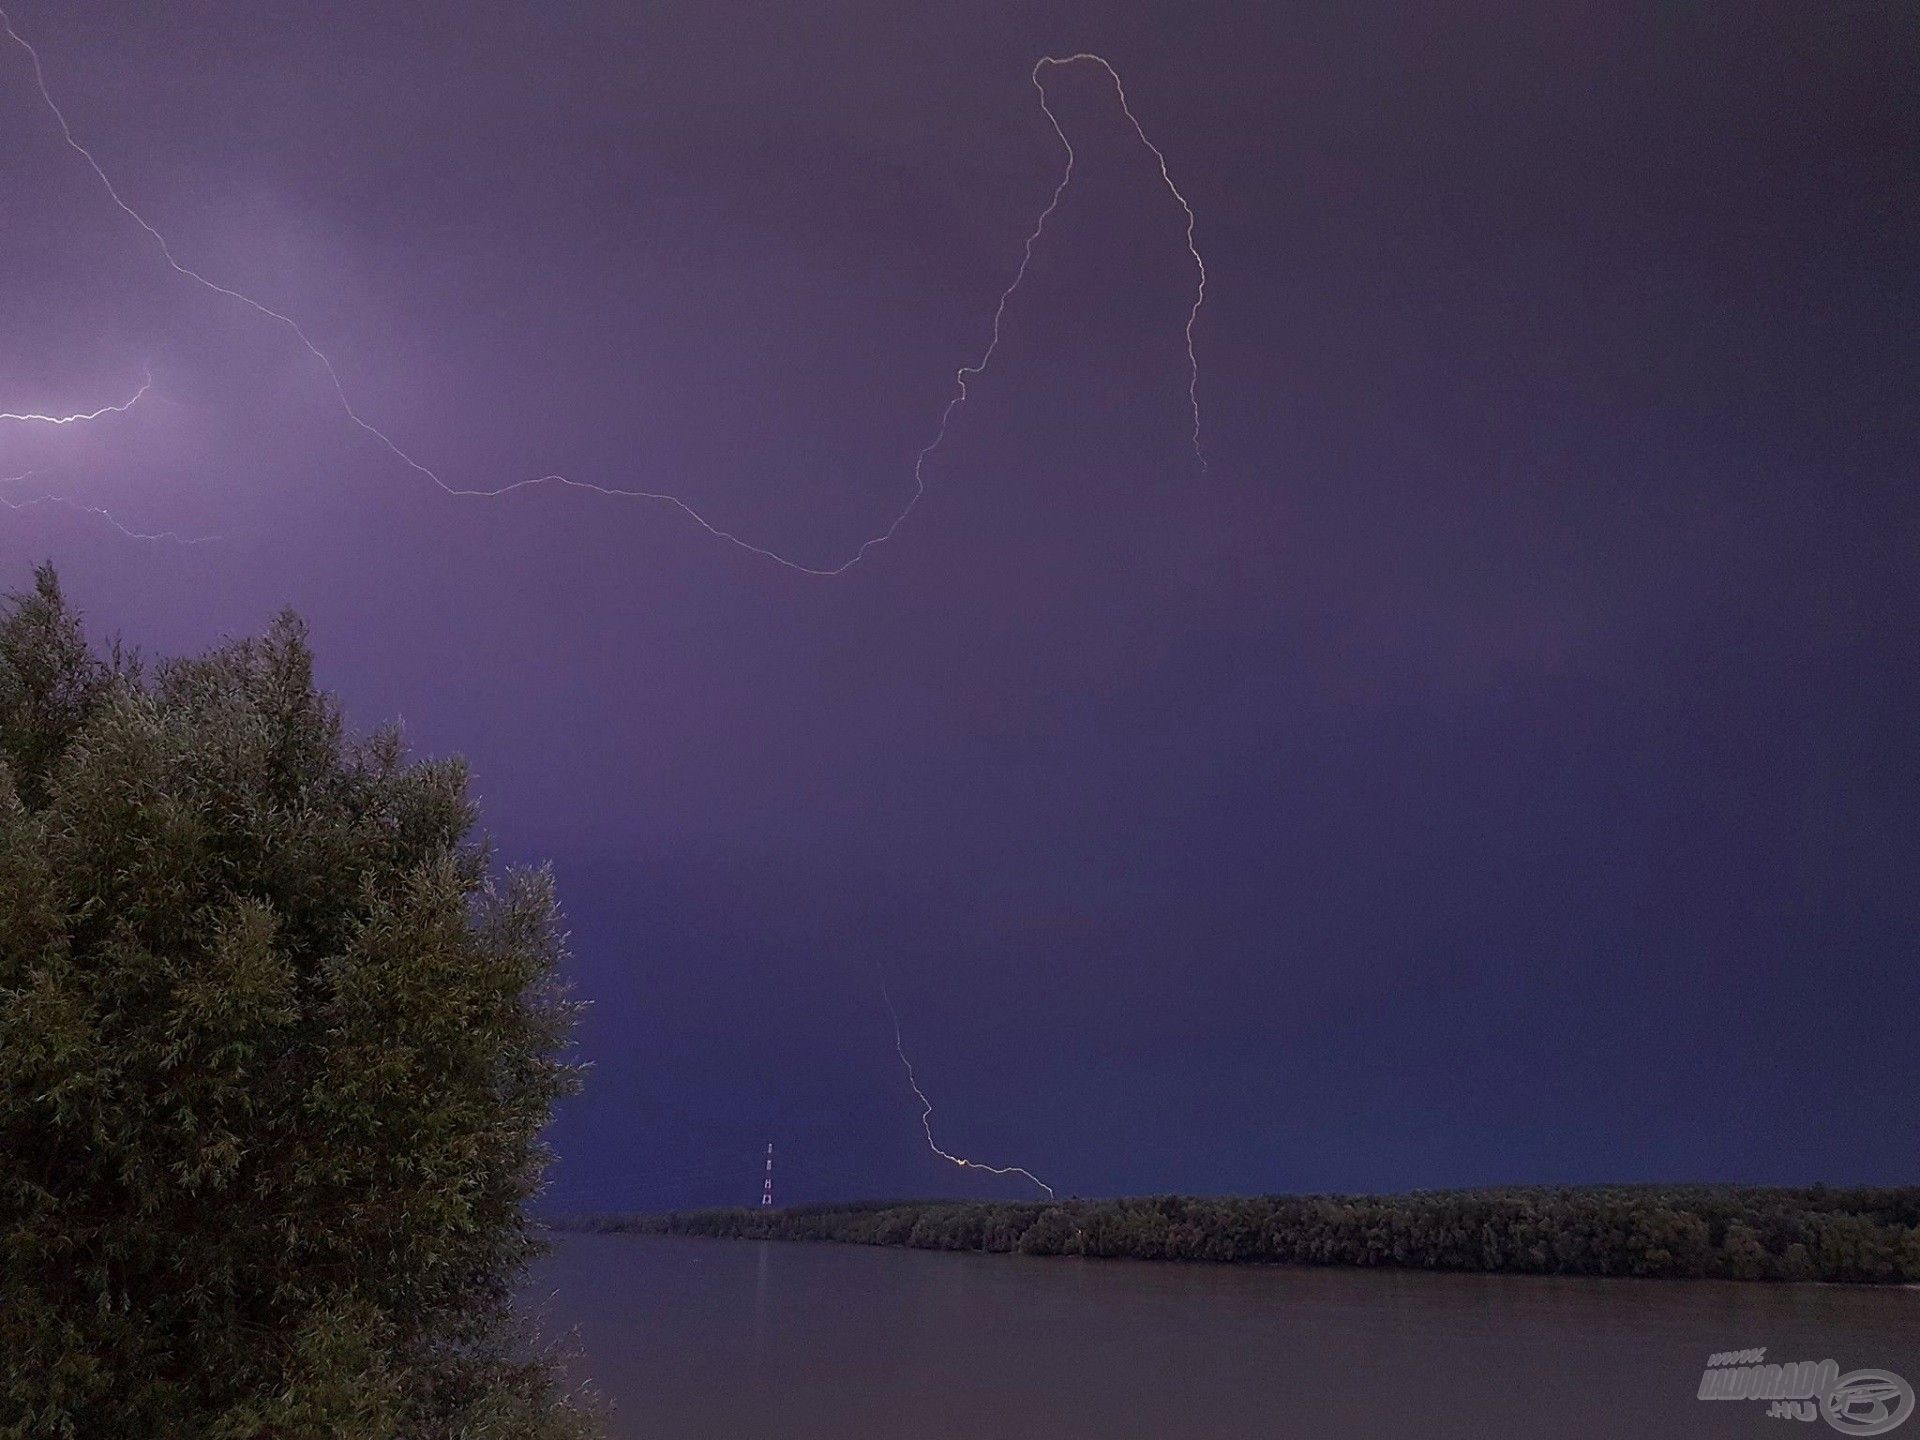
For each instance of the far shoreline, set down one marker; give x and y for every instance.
(1816, 1234)
(581, 1227)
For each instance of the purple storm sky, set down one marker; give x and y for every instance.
(1498, 766)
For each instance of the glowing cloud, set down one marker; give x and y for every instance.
(961, 376)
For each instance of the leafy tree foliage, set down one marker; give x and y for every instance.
(1732, 1232)
(274, 1057)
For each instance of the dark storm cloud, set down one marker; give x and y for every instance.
(1497, 767)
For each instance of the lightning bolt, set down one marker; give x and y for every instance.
(1166, 177)
(926, 1107)
(81, 507)
(171, 536)
(961, 376)
(120, 409)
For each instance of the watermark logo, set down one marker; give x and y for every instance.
(1867, 1402)
(1860, 1402)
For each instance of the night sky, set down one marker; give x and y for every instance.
(1499, 766)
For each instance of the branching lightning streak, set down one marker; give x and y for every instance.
(961, 376)
(1166, 177)
(120, 409)
(926, 1108)
(80, 506)
(173, 536)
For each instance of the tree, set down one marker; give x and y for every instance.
(1743, 1232)
(275, 1053)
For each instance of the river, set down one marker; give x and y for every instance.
(738, 1340)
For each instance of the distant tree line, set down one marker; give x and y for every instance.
(1716, 1231)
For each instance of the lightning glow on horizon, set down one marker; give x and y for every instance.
(961, 376)
(926, 1108)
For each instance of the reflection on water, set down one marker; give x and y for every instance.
(698, 1338)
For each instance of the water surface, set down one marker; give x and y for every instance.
(761, 1341)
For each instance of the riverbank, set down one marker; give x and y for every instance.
(1723, 1232)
